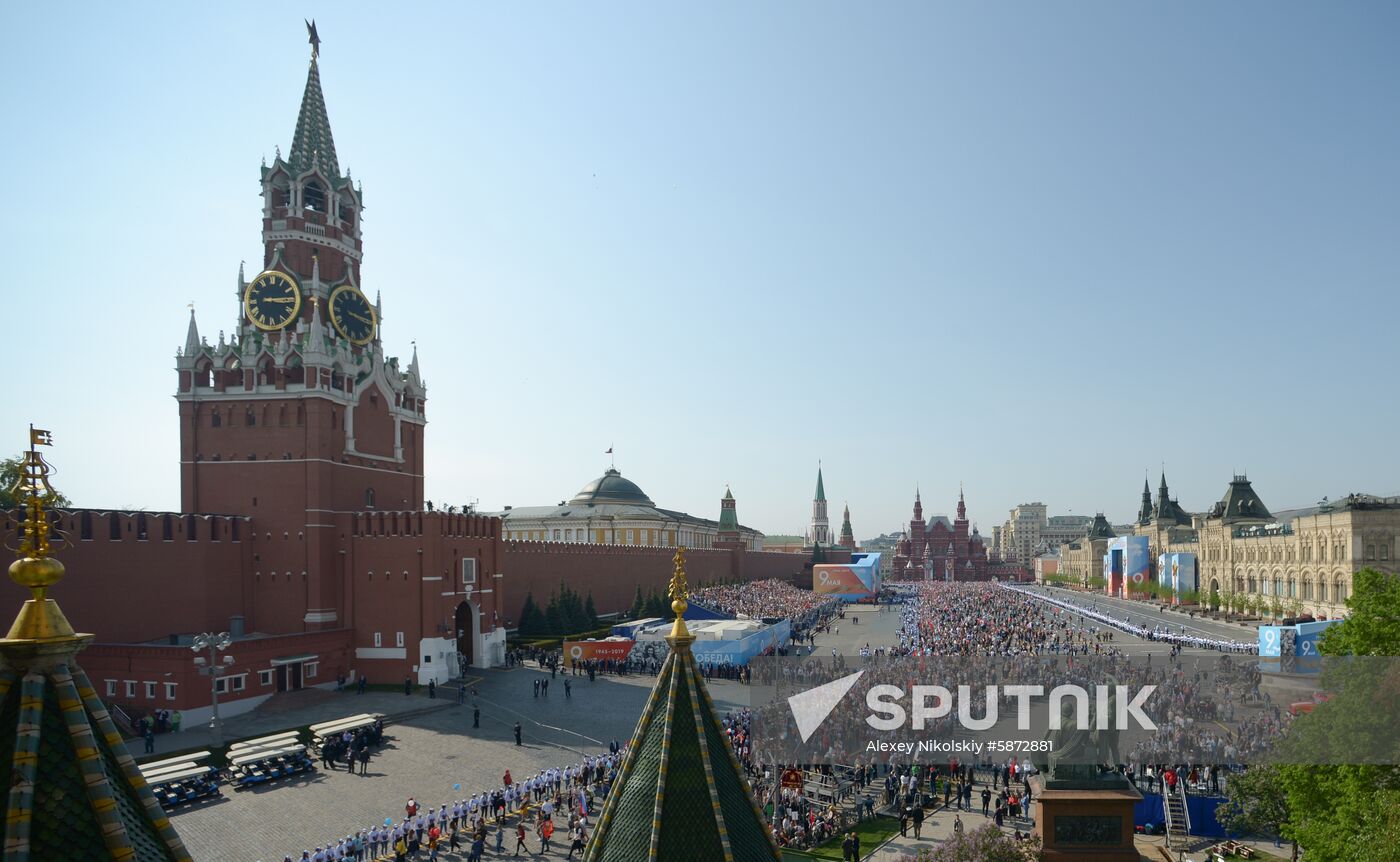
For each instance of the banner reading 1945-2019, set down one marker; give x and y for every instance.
(609, 650)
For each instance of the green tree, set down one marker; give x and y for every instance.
(655, 606)
(1256, 804)
(1344, 813)
(1351, 813)
(531, 620)
(554, 618)
(1373, 626)
(590, 611)
(9, 477)
(571, 617)
(639, 604)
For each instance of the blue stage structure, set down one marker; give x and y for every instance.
(1200, 808)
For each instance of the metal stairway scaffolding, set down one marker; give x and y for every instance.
(1178, 816)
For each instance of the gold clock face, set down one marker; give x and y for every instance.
(272, 300)
(352, 315)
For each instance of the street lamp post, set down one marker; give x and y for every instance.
(213, 668)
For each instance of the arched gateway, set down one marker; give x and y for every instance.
(468, 626)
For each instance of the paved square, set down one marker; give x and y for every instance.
(426, 756)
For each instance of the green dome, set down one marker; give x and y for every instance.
(611, 488)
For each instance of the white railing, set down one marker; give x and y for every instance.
(126, 721)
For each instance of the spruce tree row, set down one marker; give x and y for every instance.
(652, 605)
(566, 614)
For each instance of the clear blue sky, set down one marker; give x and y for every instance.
(1036, 247)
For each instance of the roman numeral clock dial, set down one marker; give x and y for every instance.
(272, 300)
(352, 315)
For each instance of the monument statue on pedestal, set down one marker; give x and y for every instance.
(1083, 757)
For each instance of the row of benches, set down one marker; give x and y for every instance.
(182, 779)
(323, 732)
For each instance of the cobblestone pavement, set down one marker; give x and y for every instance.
(427, 755)
(289, 710)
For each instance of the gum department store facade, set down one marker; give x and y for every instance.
(1307, 557)
(302, 528)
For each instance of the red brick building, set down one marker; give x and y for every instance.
(303, 531)
(937, 550)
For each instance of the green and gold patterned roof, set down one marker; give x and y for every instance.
(681, 795)
(312, 143)
(75, 792)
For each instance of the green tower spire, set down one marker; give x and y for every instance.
(848, 536)
(312, 142)
(681, 795)
(728, 516)
(821, 489)
(1145, 510)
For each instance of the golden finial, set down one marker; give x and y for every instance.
(679, 591)
(40, 617)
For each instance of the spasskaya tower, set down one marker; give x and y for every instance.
(298, 415)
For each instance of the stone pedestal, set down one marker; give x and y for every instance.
(1078, 822)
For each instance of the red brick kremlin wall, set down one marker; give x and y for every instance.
(613, 572)
(127, 582)
(140, 577)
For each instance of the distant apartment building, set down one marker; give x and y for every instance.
(1028, 532)
(1059, 529)
(1020, 535)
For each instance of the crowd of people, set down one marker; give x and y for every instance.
(950, 619)
(1157, 631)
(352, 747)
(1209, 709)
(771, 598)
(540, 806)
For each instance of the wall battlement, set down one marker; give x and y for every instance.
(99, 525)
(418, 523)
